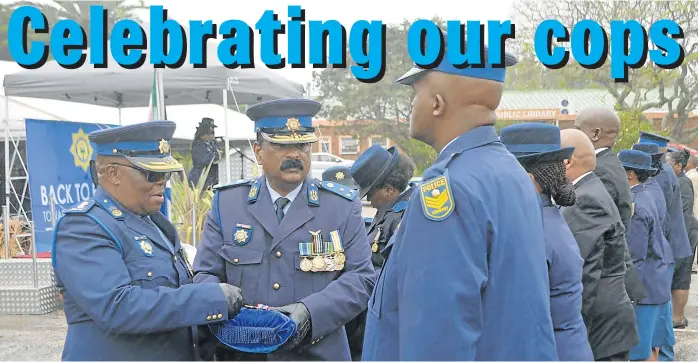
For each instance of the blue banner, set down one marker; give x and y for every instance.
(58, 166)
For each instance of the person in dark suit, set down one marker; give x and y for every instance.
(682, 283)
(602, 126)
(596, 225)
(649, 249)
(547, 171)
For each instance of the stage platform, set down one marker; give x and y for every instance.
(18, 295)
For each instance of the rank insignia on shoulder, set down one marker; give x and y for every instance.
(400, 206)
(313, 194)
(235, 184)
(253, 194)
(242, 234)
(341, 190)
(437, 199)
(146, 248)
(81, 208)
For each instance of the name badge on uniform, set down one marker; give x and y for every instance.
(242, 234)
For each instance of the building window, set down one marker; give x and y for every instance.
(379, 140)
(348, 146)
(325, 145)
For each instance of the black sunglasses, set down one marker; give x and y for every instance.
(150, 176)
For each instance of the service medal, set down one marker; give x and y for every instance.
(318, 263)
(306, 265)
(338, 267)
(339, 258)
(374, 247)
(329, 264)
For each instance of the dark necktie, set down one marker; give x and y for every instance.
(280, 203)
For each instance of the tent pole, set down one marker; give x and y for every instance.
(119, 115)
(7, 177)
(225, 127)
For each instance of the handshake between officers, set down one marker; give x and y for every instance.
(288, 241)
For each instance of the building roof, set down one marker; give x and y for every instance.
(578, 99)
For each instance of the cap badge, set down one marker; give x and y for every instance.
(339, 175)
(293, 124)
(164, 147)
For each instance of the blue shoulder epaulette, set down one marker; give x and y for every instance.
(400, 206)
(339, 189)
(234, 184)
(82, 208)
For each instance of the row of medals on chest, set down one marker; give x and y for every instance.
(321, 256)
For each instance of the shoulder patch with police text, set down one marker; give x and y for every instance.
(339, 189)
(437, 199)
(234, 184)
(81, 208)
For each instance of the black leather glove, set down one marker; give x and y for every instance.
(299, 313)
(234, 296)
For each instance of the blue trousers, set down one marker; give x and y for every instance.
(666, 344)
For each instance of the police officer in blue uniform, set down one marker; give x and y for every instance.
(383, 178)
(647, 246)
(290, 241)
(537, 147)
(465, 276)
(126, 282)
(652, 186)
(675, 231)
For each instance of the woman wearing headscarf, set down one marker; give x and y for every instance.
(204, 151)
(537, 147)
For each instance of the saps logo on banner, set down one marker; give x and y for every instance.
(58, 164)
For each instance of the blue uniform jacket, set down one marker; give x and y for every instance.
(653, 188)
(675, 223)
(126, 294)
(565, 267)
(465, 276)
(646, 243)
(266, 264)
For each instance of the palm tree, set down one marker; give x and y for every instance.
(74, 10)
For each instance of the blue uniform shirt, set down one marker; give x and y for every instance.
(565, 268)
(244, 245)
(655, 191)
(675, 223)
(646, 244)
(465, 276)
(126, 295)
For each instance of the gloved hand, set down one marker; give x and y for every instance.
(234, 296)
(299, 313)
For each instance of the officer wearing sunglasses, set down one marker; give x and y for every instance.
(126, 281)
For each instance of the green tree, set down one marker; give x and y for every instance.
(631, 123)
(5, 12)
(382, 108)
(648, 86)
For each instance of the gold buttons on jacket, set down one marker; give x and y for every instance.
(220, 316)
(278, 254)
(236, 260)
(150, 274)
(276, 286)
(214, 317)
(208, 318)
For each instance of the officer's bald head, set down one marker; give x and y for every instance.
(600, 124)
(583, 159)
(447, 105)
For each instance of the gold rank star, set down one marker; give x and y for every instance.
(339, 175)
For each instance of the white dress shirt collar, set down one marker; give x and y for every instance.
(291, 195)
(579, 178)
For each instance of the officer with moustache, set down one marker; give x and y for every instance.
(290, 241)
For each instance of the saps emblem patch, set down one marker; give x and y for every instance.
(437, 199)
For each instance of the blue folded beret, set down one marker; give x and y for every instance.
(255, 330)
